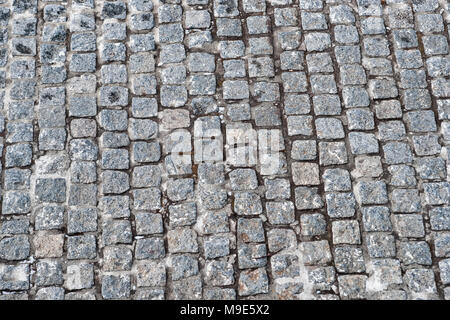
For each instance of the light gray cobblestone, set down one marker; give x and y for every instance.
(209, 149)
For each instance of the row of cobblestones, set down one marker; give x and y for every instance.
(224, 149)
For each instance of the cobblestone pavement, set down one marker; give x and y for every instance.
(225, 149)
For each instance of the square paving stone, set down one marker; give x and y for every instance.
(414, 252)
(363, 143)
(376, 218)
(409, 225)
(349, 259)
(346, 232)
(327, 104)
(371, 192)
(317, 41)
(329, 128)
(305, 173)
(80, 276)
(331, 153)
(307, 198)
(313, 224)
(380, 245)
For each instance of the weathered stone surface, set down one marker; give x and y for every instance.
(224, 149)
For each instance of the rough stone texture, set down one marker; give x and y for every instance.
(224, 149)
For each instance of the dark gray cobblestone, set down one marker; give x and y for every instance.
(209, 149)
